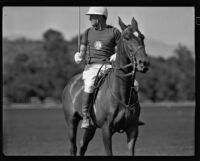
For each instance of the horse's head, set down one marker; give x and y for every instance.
(133, 41)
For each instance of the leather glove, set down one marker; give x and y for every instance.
(113, 57)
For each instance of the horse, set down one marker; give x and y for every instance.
(116, 107)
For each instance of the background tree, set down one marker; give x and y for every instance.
(42, 68)
(60, 66)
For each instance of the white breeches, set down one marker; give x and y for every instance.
(90, 73)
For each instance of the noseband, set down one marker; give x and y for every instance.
(133, 63)
(132, 57)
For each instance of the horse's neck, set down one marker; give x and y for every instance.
(120, 73)
(121, 84)
(122, 60)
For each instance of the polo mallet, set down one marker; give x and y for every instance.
(78, 29)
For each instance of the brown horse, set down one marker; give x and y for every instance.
(116, 108)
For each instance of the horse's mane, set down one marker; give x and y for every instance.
(120, 46)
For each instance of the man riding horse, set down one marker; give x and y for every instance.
(98, 47)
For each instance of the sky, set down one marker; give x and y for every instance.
(171, 25)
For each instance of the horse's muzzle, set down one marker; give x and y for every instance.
(145, 69)
(143, 66)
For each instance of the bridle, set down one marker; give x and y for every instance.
(133, 63)
(132, 58)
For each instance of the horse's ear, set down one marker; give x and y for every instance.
(134, 23)
(122, 25)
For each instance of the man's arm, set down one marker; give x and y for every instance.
(113, 57)
(83, 51)
(80, 56)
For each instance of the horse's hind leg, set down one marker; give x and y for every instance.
(72, 123)
(132, 135)
(87, 137)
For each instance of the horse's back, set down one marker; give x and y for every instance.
(71, 97)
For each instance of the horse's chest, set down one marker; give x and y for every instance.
(123, 120)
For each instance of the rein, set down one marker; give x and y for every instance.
(127, 106)
(133, 63)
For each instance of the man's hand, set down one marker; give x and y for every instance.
(113, 57)
(78, 57)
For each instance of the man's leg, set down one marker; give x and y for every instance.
(89, 76)
(86, 98)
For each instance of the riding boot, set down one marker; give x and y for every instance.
(86, 98)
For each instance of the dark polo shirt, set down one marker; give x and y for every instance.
(100, 43)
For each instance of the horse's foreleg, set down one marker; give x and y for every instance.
(87, 137)
(107, 140)
(132, 135)
(72, 131)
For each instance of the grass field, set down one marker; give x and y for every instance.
(169, 131)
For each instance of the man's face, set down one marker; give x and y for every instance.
(94, 19)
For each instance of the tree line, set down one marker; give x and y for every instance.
(42, 68)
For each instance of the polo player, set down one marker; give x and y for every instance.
(98, 47)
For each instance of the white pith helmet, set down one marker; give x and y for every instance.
(98, 11)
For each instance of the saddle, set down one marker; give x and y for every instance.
(98, 82)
